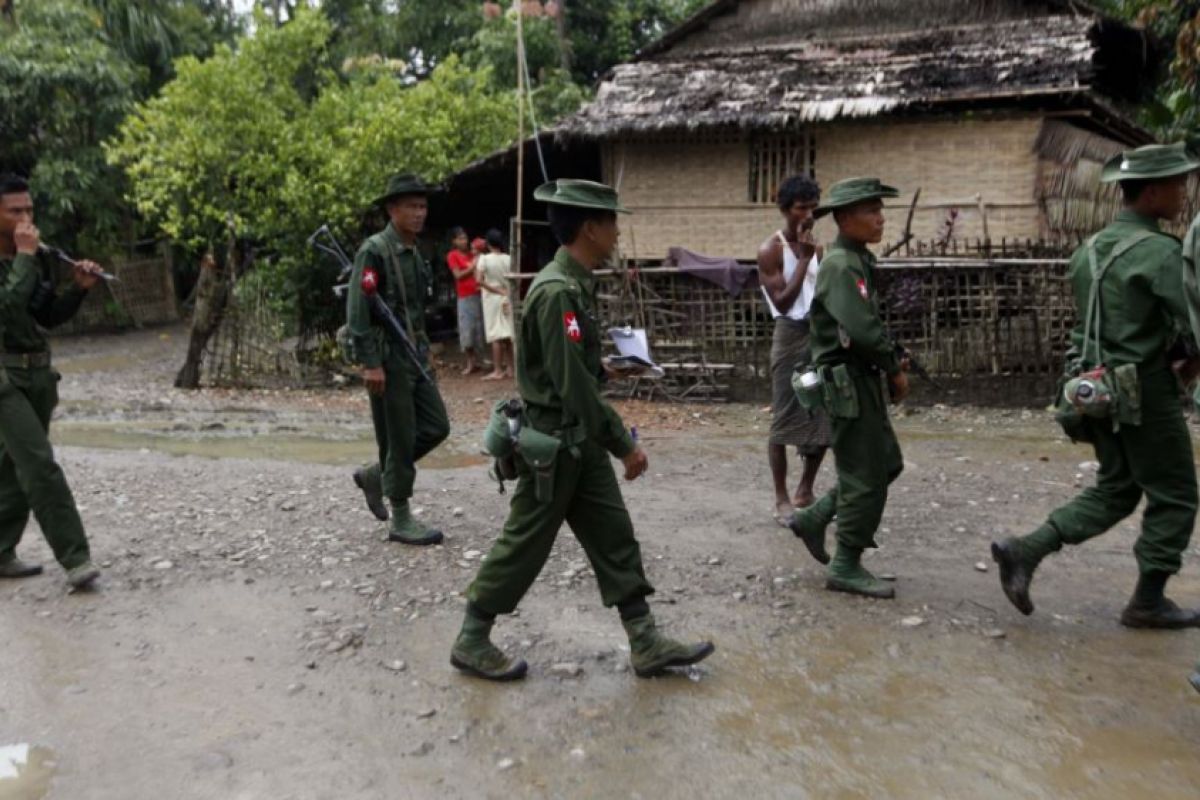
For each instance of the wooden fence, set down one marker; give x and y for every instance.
(990, 329)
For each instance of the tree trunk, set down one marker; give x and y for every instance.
(212, 294)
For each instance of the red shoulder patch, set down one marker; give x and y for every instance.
(862, 289)
(574, 332)
(370, 281)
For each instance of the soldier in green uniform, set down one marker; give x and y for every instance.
(852, 356)
(407, 410)
(1129, 298)
(564, 469)
(30, 478)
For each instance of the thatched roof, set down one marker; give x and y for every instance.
(1018, 61)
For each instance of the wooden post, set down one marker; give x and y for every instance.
(516, 241)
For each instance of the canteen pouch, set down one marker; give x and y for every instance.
(497, 442)
(1071, 421)
(841, 395)
(540, 451)
(809, 386)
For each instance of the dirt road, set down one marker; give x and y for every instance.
(255, 637)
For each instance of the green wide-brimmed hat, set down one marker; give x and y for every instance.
(401, 184)
(853, 191)
(581, 194)
(1150, 162)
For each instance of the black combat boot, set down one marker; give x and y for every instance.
(370, 483)
(1148, 608)
(1018, 557)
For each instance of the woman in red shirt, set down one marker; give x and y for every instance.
(461, 262)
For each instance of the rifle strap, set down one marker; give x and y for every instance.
(397, 275)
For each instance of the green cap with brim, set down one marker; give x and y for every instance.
(853, 191)
(1151, 162)
(401, 185)
(581, 194)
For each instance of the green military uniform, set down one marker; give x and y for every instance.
(30, 478)
(1143, 447)
(851, 350)
(409, 417)
(559, 376)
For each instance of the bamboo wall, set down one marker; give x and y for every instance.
(694, 192)
(993, 330)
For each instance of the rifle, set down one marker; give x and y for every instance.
(62, 256)
(380, 310)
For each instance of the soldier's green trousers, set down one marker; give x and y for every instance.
(30, 478)
(410, 421)
(868, 459)
(1155, 459)
(586, 497)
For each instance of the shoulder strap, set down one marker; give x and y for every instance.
(397, 276)
(1092, 319)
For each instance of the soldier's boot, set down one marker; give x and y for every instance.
(82, 576)
(474, 654)
(809, 525)
(16, 568)
(1018, 557)
(1149, 608)
(407, 530)
(370, 483)
(651, 653)
(1195, 679)
(847, 574)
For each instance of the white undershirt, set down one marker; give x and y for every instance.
(803, 302)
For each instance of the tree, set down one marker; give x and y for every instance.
(153, 33)
(1174, 113)
(63, 89)
(269, 141)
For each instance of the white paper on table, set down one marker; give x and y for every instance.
(633, 348)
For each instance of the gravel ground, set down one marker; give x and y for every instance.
(255, 636)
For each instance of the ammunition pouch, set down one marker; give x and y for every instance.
(540, 452)
(840, 393)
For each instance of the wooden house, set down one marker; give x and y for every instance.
(1000, 111)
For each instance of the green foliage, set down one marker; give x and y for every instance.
(1174, 113)
(151, 34)
(607, 32)
(62, 90)
(271, 143)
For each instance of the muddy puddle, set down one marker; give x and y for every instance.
(320, 444)
(872, 714)
(26, 771)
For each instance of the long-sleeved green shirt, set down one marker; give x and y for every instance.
(375, 253)
(844, 322)
(559, 371)
(24, 331)
(1142, 306)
